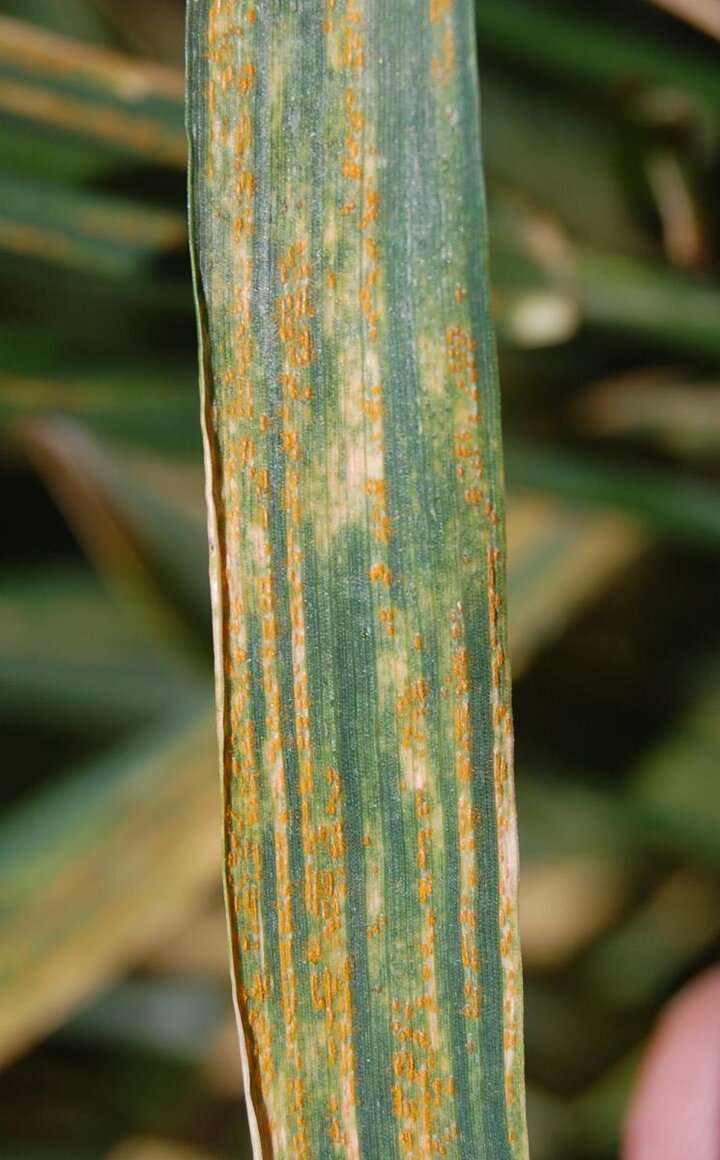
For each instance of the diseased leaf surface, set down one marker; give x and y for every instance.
(353, 449)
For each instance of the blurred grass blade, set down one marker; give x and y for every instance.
(677, 785)
(110, 101)
(580, 853)
(673, 505)
(73, 18)
(594, 52)
(83, 229)
(131, 405)
(563, 160)
(72, 656)
(143, 528)
(154, 30)
(150, 1148)
(665, 408)
(639, 962)
(533, 255)
(200, 951)
(703, 14)
(559, 556)
(99, 867)
(655, 302)
(175, 1017)
(353, 439)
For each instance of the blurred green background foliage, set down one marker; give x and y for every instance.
(601, 130)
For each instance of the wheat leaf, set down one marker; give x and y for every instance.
(353, 446)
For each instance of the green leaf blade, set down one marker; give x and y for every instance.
(353, 445)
